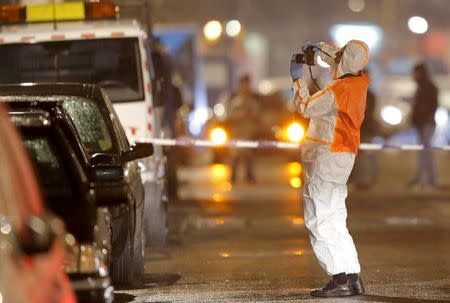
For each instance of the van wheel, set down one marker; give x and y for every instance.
(139, 259)
(156, 219)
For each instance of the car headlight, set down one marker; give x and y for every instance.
(392, 115)
(295, 132)
(82, 258)
(218, 136)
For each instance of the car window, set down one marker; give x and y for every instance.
(91, 125)
(50, 168)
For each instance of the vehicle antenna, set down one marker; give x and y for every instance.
(55, 26)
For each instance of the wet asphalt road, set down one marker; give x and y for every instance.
(248, 243)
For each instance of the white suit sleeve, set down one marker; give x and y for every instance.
(319, 104)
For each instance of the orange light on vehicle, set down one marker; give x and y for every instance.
(101, 10)
(12, 14)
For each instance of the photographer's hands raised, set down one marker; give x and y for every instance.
(296, 69)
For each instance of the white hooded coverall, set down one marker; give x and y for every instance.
(328, 154)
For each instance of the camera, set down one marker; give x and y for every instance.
(308, 57)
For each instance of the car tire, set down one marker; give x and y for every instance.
(122, 271)
(122, 263)
(156, 217)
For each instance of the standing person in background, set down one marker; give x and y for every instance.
(423, 119)
(366, 166)
(243, 118)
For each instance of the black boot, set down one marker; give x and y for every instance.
(337, 287)
(356, 284)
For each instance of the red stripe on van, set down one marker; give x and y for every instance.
(58, 37)
(26, 38)
(117, 34)
(88, 36)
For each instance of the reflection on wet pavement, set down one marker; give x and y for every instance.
(248, 243)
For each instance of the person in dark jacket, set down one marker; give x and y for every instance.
(365, 172)
(423, 119)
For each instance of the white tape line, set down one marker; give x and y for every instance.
(411, 147)
(367, 146)
(287, 145)
(247, 144)
(276, 144)
(204, 143)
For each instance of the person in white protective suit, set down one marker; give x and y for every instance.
(328, 154)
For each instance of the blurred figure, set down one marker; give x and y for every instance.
(423, 119)
(243, 119)
(366, 167)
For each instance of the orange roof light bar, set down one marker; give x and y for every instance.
(89, 10)
(12, 14)
(101, 10)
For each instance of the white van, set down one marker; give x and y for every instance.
(44, 46)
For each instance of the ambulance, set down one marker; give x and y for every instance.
(87, 42)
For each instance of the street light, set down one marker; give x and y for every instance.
(418, 25)
(212, 30)
(233, 28)
(356, 6)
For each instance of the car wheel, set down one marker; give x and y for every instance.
(122, 269)
(156, 217)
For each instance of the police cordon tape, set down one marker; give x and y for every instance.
(187, 142)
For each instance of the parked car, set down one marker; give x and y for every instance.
(113, 170)
(53, 148)
(31, 248)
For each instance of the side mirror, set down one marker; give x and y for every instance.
(138, 151)
(39, 236)
(114, 190)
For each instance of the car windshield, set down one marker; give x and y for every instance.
(53, 176)
(90, 124)
(113, 64)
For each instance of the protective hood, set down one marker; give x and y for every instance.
(354, 58)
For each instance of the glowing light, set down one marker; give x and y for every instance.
(356, 6)
(219, 110)
(225, 255)
(298, 253)
(295, 132)
(220, 172)
(322, 63)
(6, 229)
(298, 221)
(296, 182)
(233, 28)
(265, 87)
(441, 117)
(391, 115)
(418, 25)
(213, 30)
(370, 34)
(294, 168)
(218, 198)
(219, 221)
(218, 136)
